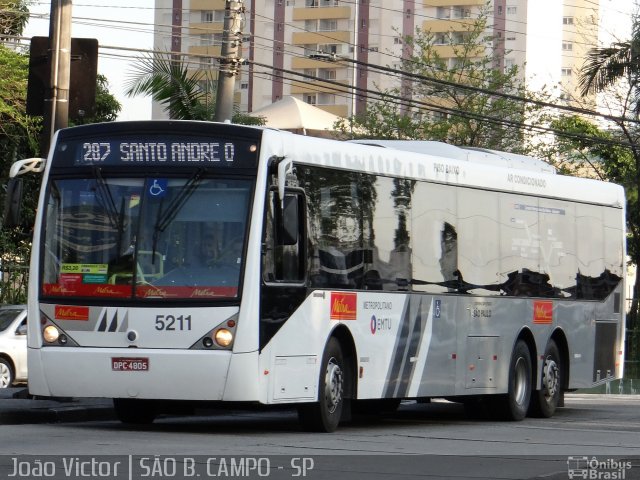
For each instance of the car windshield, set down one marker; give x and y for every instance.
(151, 237)
(8, 315)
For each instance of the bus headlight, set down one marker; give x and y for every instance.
(223, 337)
(50, 334)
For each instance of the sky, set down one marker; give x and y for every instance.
(115, 23)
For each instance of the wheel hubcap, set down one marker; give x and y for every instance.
(550, 378)
(333, 385)
(4, 376)
(520, 381)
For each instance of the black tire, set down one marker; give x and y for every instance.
(515, 404)
(545, 401)
(134, 411)
(7, 375)
(324, 415)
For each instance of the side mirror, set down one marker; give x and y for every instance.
(22, 329)
(290, 222)
(12, 215)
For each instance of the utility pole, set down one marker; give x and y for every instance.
(229, 61)
(56, 110)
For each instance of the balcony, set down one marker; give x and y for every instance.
(448, 25)
(204, 28)
(206, 50)
(321, 13)
(318, 86)
(312, 63)
(207, 4)
(451, 3)
(310, 38)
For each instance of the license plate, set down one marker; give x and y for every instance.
(122, 364)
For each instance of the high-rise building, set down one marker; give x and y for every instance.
(316, 50)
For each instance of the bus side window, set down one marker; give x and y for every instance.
(284, 248)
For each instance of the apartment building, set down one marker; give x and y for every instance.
(317, 50)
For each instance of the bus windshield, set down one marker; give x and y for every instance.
(145, 237)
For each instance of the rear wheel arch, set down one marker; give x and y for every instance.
(559, 337)
(527, 337)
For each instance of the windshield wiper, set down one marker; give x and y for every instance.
(105, 198)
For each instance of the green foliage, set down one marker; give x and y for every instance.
(605, 67)
(168, 80)
(18, 132)
(107, 106)
(19, 138)
(185, 94)
(14, 15)
(15, 269)
(615, 72)
(581, 155)
(430, 105)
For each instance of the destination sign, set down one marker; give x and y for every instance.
(156, 150)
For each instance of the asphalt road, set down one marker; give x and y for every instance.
(594, 436)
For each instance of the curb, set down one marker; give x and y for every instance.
(18, 407)
(55, 415)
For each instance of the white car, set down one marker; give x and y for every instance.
(13, 345)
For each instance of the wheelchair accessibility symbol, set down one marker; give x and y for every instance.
(158, 187)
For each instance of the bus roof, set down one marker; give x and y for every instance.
(485, 169)
(470, 154)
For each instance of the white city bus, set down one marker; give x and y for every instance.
(341, 274)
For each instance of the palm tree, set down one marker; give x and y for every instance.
(167, 79)
(606, 66)
(185, 94)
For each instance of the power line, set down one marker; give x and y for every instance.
(401, 73)
(399, 100)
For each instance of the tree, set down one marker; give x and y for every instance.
(614, 73)
(18, 139)
(606, 67)
(431, 105)
(18, 131)
(13, 17)
(107, 106)
(185, 94)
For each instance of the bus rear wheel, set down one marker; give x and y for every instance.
(545, 401)
(324, 415)
(515, 404)
(134, 411)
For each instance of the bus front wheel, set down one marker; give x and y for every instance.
(545, 401)
(134, 411)
(324, 415)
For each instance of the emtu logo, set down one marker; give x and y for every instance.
(542, 312)
(343, 306)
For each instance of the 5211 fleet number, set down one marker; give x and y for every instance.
(173, 323)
